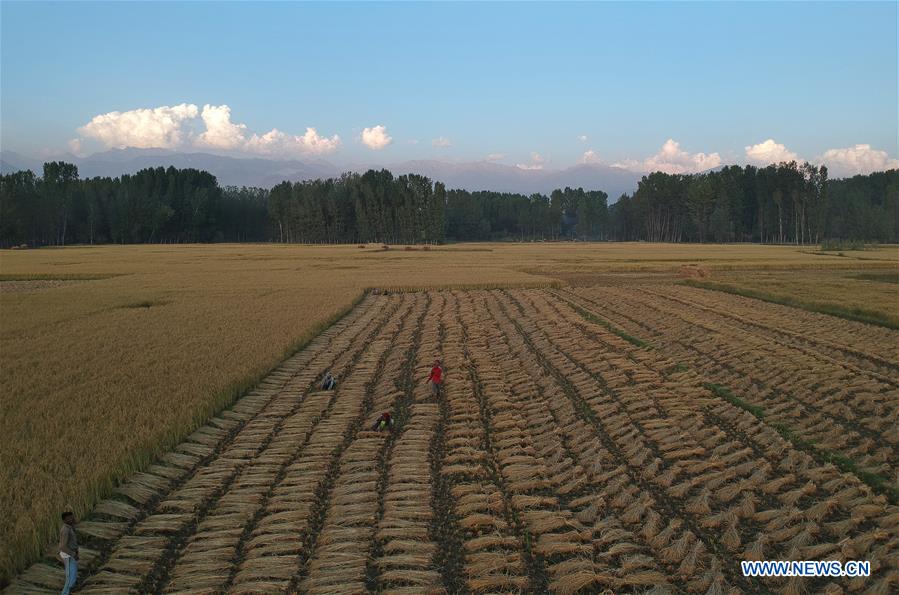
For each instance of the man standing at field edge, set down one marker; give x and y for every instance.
(68, 550)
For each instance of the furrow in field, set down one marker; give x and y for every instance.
(866, 344)
(560, 457)
(828, 349)
(512, 462)
(702, 366)
(635, 531)
(116, 520)
(837, 409)
(657, 427)
(207, 558)
(665, 371)
(403, 559)
(557, 494)
(443, 529)
(494, 554)
(600, 544)
(401, 556)
(282, 531)
(142, 561)
(341, 537)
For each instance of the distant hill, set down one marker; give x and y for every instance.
(230, 171)
(484, 175)
(262, 172)
(12, 162)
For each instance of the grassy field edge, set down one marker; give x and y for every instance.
(878, 483)
(21, 553)
(855, 314)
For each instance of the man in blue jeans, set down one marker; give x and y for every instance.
(68, 550)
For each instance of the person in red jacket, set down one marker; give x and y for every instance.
(436, 377)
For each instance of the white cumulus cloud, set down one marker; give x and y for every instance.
(376, 137)
(172, 128)
(768, 152)
(495, 157)
(673, 160)
(162, 127)
(590, 156)
(860, 159)
(441, 142)
(582, 138)
(276, 141)
(221, 133)
(537, 161)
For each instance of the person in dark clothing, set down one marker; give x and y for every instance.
(435, 377)
(328, 382)
(384, 422)
(68, 550)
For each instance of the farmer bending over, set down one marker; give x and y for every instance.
(384, 422)
(68, 550)
(328, 382)
(435, 377)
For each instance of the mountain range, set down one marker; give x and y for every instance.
(265, 173)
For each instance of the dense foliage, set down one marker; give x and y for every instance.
(864, 207)
(372, 207)
(153, 205)
(785, 203)
(501, 216)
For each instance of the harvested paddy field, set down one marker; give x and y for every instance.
(620, 438)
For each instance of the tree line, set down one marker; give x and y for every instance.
(568, 213)
(784, 203)
(151, 206)
(370, 207)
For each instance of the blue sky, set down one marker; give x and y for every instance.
(518, 82)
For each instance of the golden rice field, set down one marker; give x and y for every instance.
(865, 294)
(567, 454)
(562, 457)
